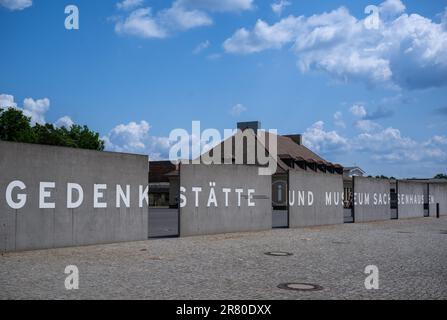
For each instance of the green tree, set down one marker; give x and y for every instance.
(440, 176)
(48, 134)
(16, 127)
(83, 137)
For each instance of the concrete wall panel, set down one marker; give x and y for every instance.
(411, 199)
(320, 212)
(204, 219)
(438, 191)
(371, 199)
(33, 228)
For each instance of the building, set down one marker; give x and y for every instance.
(292, 155)
(159, 183)
(349, 172)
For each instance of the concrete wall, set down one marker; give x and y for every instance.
(371, 199)
(33, 228)
(319, 212)
(411, 199)
(206, 219)
(438, 191)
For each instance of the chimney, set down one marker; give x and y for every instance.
(297, 138)
(254, 125)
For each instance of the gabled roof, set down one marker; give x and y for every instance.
(349, 169)
(289, 153)
(158, 170)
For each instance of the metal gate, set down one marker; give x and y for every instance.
(393, 202)
(163, 222)
(348, 214)
(280, 208)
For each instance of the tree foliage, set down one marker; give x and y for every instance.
(440, 176)
(16, 127)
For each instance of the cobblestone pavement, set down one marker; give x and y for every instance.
(411, 256)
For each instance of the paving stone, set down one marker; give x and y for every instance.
(234, 266)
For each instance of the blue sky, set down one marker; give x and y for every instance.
(137, 69)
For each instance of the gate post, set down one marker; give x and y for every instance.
(437, 210)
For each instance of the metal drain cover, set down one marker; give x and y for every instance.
(279, 254)
(300, 287)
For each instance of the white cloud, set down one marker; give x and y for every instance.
(158, 148)
(324, 142)
(367, 125)
(263, 36)
(391, 8)
(382, 145)
(408, 51)
(338, 120)
(440, 141)
(358, 110)
(16, 4)
(218, 5)
(237, 110)
(7, 101)
(129, 4)
(141, 23)
(34, 109)
(201, 46)
(134, 137)
(179, 18)
(443, 16)
(64, 122)
(128, 137)
(182, 15)
(278, 7)
(214, 56)
(389, 145)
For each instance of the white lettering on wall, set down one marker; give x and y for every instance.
(413, 199)
(20, 197)
(226, 191)
(183, 201)
(212, 197)
(97, 195)
(310, 198)
(196, 191)
(122, 197)
(75, 195)
(239, 193)
(44, 194)
(70, 188)
(143, 195)
(328, 198)
(250, 197)
(300, 198)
